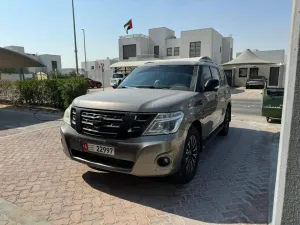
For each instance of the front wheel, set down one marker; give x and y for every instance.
(190, 157)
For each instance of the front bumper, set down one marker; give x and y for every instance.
(136, 156)
(113, 84)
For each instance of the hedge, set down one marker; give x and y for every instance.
(58, 93)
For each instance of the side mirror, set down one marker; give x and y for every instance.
(212, 85)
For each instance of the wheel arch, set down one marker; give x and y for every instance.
(198, 126)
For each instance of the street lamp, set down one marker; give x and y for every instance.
(84, 51)
(76, 58)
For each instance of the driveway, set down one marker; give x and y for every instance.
(231, 185)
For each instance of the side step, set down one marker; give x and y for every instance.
(212, 136)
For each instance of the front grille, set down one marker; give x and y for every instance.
(108, 161)
(101, 123)
(115, 125)
(73, 117)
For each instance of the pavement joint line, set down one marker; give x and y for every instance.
(44, 128)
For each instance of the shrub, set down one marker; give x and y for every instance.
(9, 91)
(57, 93)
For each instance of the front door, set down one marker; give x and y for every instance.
(229, 74)
(274, 76)
(207, 112)
(219, 96)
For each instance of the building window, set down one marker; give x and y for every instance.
(220, 49)
(169, 51)
(243, 72)
(195, 49)
(176, 51)
(54, 65)
(129, 51)
(230, 54)
(92, 67)
(156, 50)
(253, 72)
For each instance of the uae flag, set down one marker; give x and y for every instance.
(128, 26)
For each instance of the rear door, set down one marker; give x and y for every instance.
(220, 97)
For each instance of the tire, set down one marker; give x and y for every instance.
(190, 157)
(269, 120)
(226, 123)
(99, 85)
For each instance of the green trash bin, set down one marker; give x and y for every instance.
(272, 101)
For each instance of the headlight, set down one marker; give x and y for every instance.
(67, 114)
(165, 123)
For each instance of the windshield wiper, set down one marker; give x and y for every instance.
(150, 86)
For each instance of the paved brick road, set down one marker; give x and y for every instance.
(231, 186)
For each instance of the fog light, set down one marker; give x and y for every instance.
(163, 161)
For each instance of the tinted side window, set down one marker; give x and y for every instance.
(223, 76)
(205, 74)
(216, 75)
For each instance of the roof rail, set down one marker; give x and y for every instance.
(205, 59)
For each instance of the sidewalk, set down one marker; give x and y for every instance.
(12, 214)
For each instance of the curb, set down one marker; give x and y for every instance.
(273, 173)
(12, 212)
(33, 109)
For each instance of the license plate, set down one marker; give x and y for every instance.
(106, 150)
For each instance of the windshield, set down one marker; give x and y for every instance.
(172, 77)
(256, 78)
(118, 76)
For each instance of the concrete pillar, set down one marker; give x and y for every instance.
(286, 210)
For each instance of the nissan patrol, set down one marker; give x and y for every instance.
(155, 123)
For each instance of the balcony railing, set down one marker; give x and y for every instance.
(133, 36)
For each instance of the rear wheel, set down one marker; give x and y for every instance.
(190, 158)
(226, 122)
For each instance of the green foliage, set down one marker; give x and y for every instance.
(9, 92)
(57, 93)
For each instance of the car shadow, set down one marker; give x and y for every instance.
(231, 184)
(236, 91)
(13, 117)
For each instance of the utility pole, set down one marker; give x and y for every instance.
(75, 43)
(84, 51)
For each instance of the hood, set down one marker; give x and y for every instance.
(136, 100)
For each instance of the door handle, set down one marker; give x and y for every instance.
(198, 103)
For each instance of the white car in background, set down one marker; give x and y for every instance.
(116, 79)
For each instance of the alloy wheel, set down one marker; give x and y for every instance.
(191, 154)
(226, 121)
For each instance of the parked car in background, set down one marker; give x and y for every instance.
(256, 82)
(94, 83)
(155, 123)
(116, 79)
